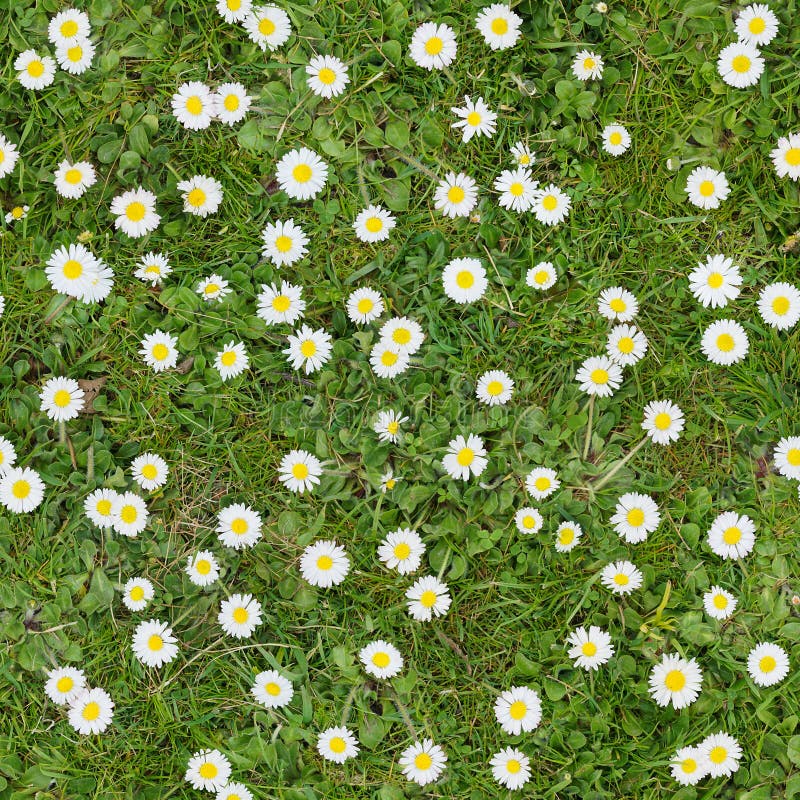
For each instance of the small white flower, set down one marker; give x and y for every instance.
(675, 680)
(381, 659)
(238, 526)
(541, 482)
(494, 388)
(299, 471)
(268, 26)
(724, 342)
(719, 603)
(456, 195)
(635, 516)
(617, 304)
(427, 598)
(324, 564)
(337, 745)
(402, 550)
(511, 768)
(528, 520)
(137, 593)
(374, 224)
(689, 766)
(232, 360)
(626, 345)
(590, 649)
(364, 305)
(309, 349)
(599, 375)
(327, 76)
(499, 26)
(62, 399)
(518, 710)
(722, 753)
(587, 65)
(475, 119)
(465, 457)
(716, 282)
(76, 56)
(231, 101)
(281, 304)
(214, 287)
(72, 180)
(239, 615)
(135, 212)
(67, 26)
(150, 471)
(272, 689)
(284, 242)
(433, 46)
(732, 535)
(21, 489)
(756, 25)
(517, 189)
(153, 268)
(208, 770)
(740, 65)
(568, 534)
(201, 195)
(786, 156)
(159, 350)
(388, 359)
(129, 514)
(779, 305)
(388, 426)
(621, 577)
(542, 276)
(522, 155)
(616, 139)
(663, 421)
(403, 333)
(194, 106)
(464, 280)
(423, 762)
(97, 507)
(153, 643)
(302, 174)
(64, 684)
(787, 457)
(91, 711)
(34, 72)
(202, 568)
(707, 187)
(551, 205)
(767, 664)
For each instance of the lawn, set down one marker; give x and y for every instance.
(387, 140)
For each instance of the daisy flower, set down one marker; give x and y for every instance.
(388, 359)
(787, 457)
(626, 345)
(464, 280)
(388, 481)
(135, 212)
(724, 342)
(511, 768)
(621, 577)
(72, 180)
(327, 76)
(551, 205)
(494, 388)
(388, 426)
(517, 189)
(689, 766)
(129, 514)
(34, 71)
(522, 155)
(732, 535)
(231, 103)
(284, 242)
(299, 471)
(716, 282)
(309, 349)
(374, 224)
(381, 659)
(75, 57)
(238, 526)
(635, 516)
(97, 507)
(599, 375)
(568, 534)
(402, 550)
(616, 139)
(202, 568)
(234, 10)
(153, 643)
(740, 65)
(403, 333)
(427, 598)
(786, 156)
(284, 304)
(150, 471)
(475, 119)
(590, 649)
(232, 360)
(499, 26)
(62, 399)
(159, 350)
(456, 195)
(465, 457)
(71, 270)
(193, 105)
(675, 680)
(239, 615)
(272, 689)
(767, 664)
(201, 195)
(528, 520)
(364, 305)
(518, 710)
(67, 26)
(707, 187)
(214, 287)
(779, 305)
(663, 421)
(153, 268)
(21, 489)
(722, 753)
(17, 212)
(8, 455)
(208, 770)
(587, 65)
(337, 744)
(234, 791)
(302, 174)
(542, 276)
(541, 482)
(64, 684)
(91, 711)
(100, 285)
(137, 593)
(617, 304)
(756, 25)
(423, 762)
(268, 27)
(324, 564)
(719, 603)
(433, 46)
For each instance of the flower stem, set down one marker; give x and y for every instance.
(588, 443)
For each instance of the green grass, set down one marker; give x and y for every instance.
(514, 598)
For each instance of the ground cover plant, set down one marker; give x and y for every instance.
(399, 400)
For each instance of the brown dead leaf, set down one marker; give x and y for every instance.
(91, 388)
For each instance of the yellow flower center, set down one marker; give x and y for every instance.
(149, 471)
(516, 189)
(757, 25)
(528, 521)
(208, 771)
(18, 211)
(793, 457)
(720, 601)
(36, 69)
(337, 744)
(272, 688)
(455, 195)
(302, 173)
(517, 710)
(725, 342)
(308, 348)
(239, 526)
(135, 211)
(524, 159)
(393, 427)
(196, 198)
(283, 244)
(542, 483)
(388, 358)
(589, 649)
(434, 46)
(588, 63)
(741, 64)
(635, 517)
(465, 279)
(69, 28)
(662, 421)
(194, 105)
(240, 615)
(128, 514)
(231, 102)
(499, 26)
(473, 119)
(621, 579)
(266, 27)
(675, 680)
(494, 388)
(401, 336)
(137, 594)
(324, 563)
(428, 598)
(423, 761)
(793, 156)
(402, 550)
(153, 269)
(281, 303)
(374, 224)
(228, 358)
(565, 536)
(715, 280)
(234, 5)
(718, 754)
(65, 684)
(155, 643)
(91, 711)
(780, 305)
(707, 188)
(617, 305)
(381, 660)
(542, 276)
(365, 305)
(72, 269)
(326, 75)
(599, 376)
(160, 351)
(732, 535)
(300, 471)
(203, 566)
(767, 664)
(465, 456)
(625, 344)
(73, 176)
(615, 138)
(211, 288)
(62, 398)
(549, 202)
(75, 53)
(21, 489)
(688, 765)
(390, 484)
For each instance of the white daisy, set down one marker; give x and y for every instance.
(716, 282)
(238, 526)
(302, 174)
(201, 195)
(137, 593)
(551, 205)
(381, 659)
(21, 489)
(511, 768)
(428, 597)
(522, 155)
(475, 119)
(388, 426)
(324, 564)
(239, 615)
(707, 187)
(71, 270)
(541, 482)
(568, 534)
(635, 516)
(153, 643)
(587, 65)
(64, 684)
(719, 603)
(327, 76)
(374, 224)
(388, 481)
(675, 680)
(282, 304)
(779, 305)
(542, 276)
(423, 762)
(689, 766)
(72, 180)
(268, 26)
(62, 399)
(153, 268)
(34, 71)
(17, 212)
(732, 535)
(75, 57)
(787, 457)
(67, 26)
(299, 471)
(214, 287)
(234, 791)
(159, 350)
(194, 106)
(129, 514)
(590, 649)
(402, 550)
(724, 342)
(150, 471)
(616, 139)
(456, 195)
(722, 753)
(135, 212)
(272, 689)
(337, 744)
(626, 345)
(208, 770)
(234, 10)
(403, 333)
(91, 711)
(284, 242)
(617, 304)
(663, 421)
(433, 46)
(517, 189)
(97, 507)
(231, 101)
(599, 375)
(499, 26)
(309, 349)
(202, 568)
(740, 65)
(767, 664)
(786, 156)
(232, 360)
(8, 455)
(364, 305)
(528, 520)
(621, 577)
(518, 710)
(494, 388)
(756, 25)
(465, 457)
(388, 359)
(464, 280)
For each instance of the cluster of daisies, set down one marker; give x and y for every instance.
(740, 64)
